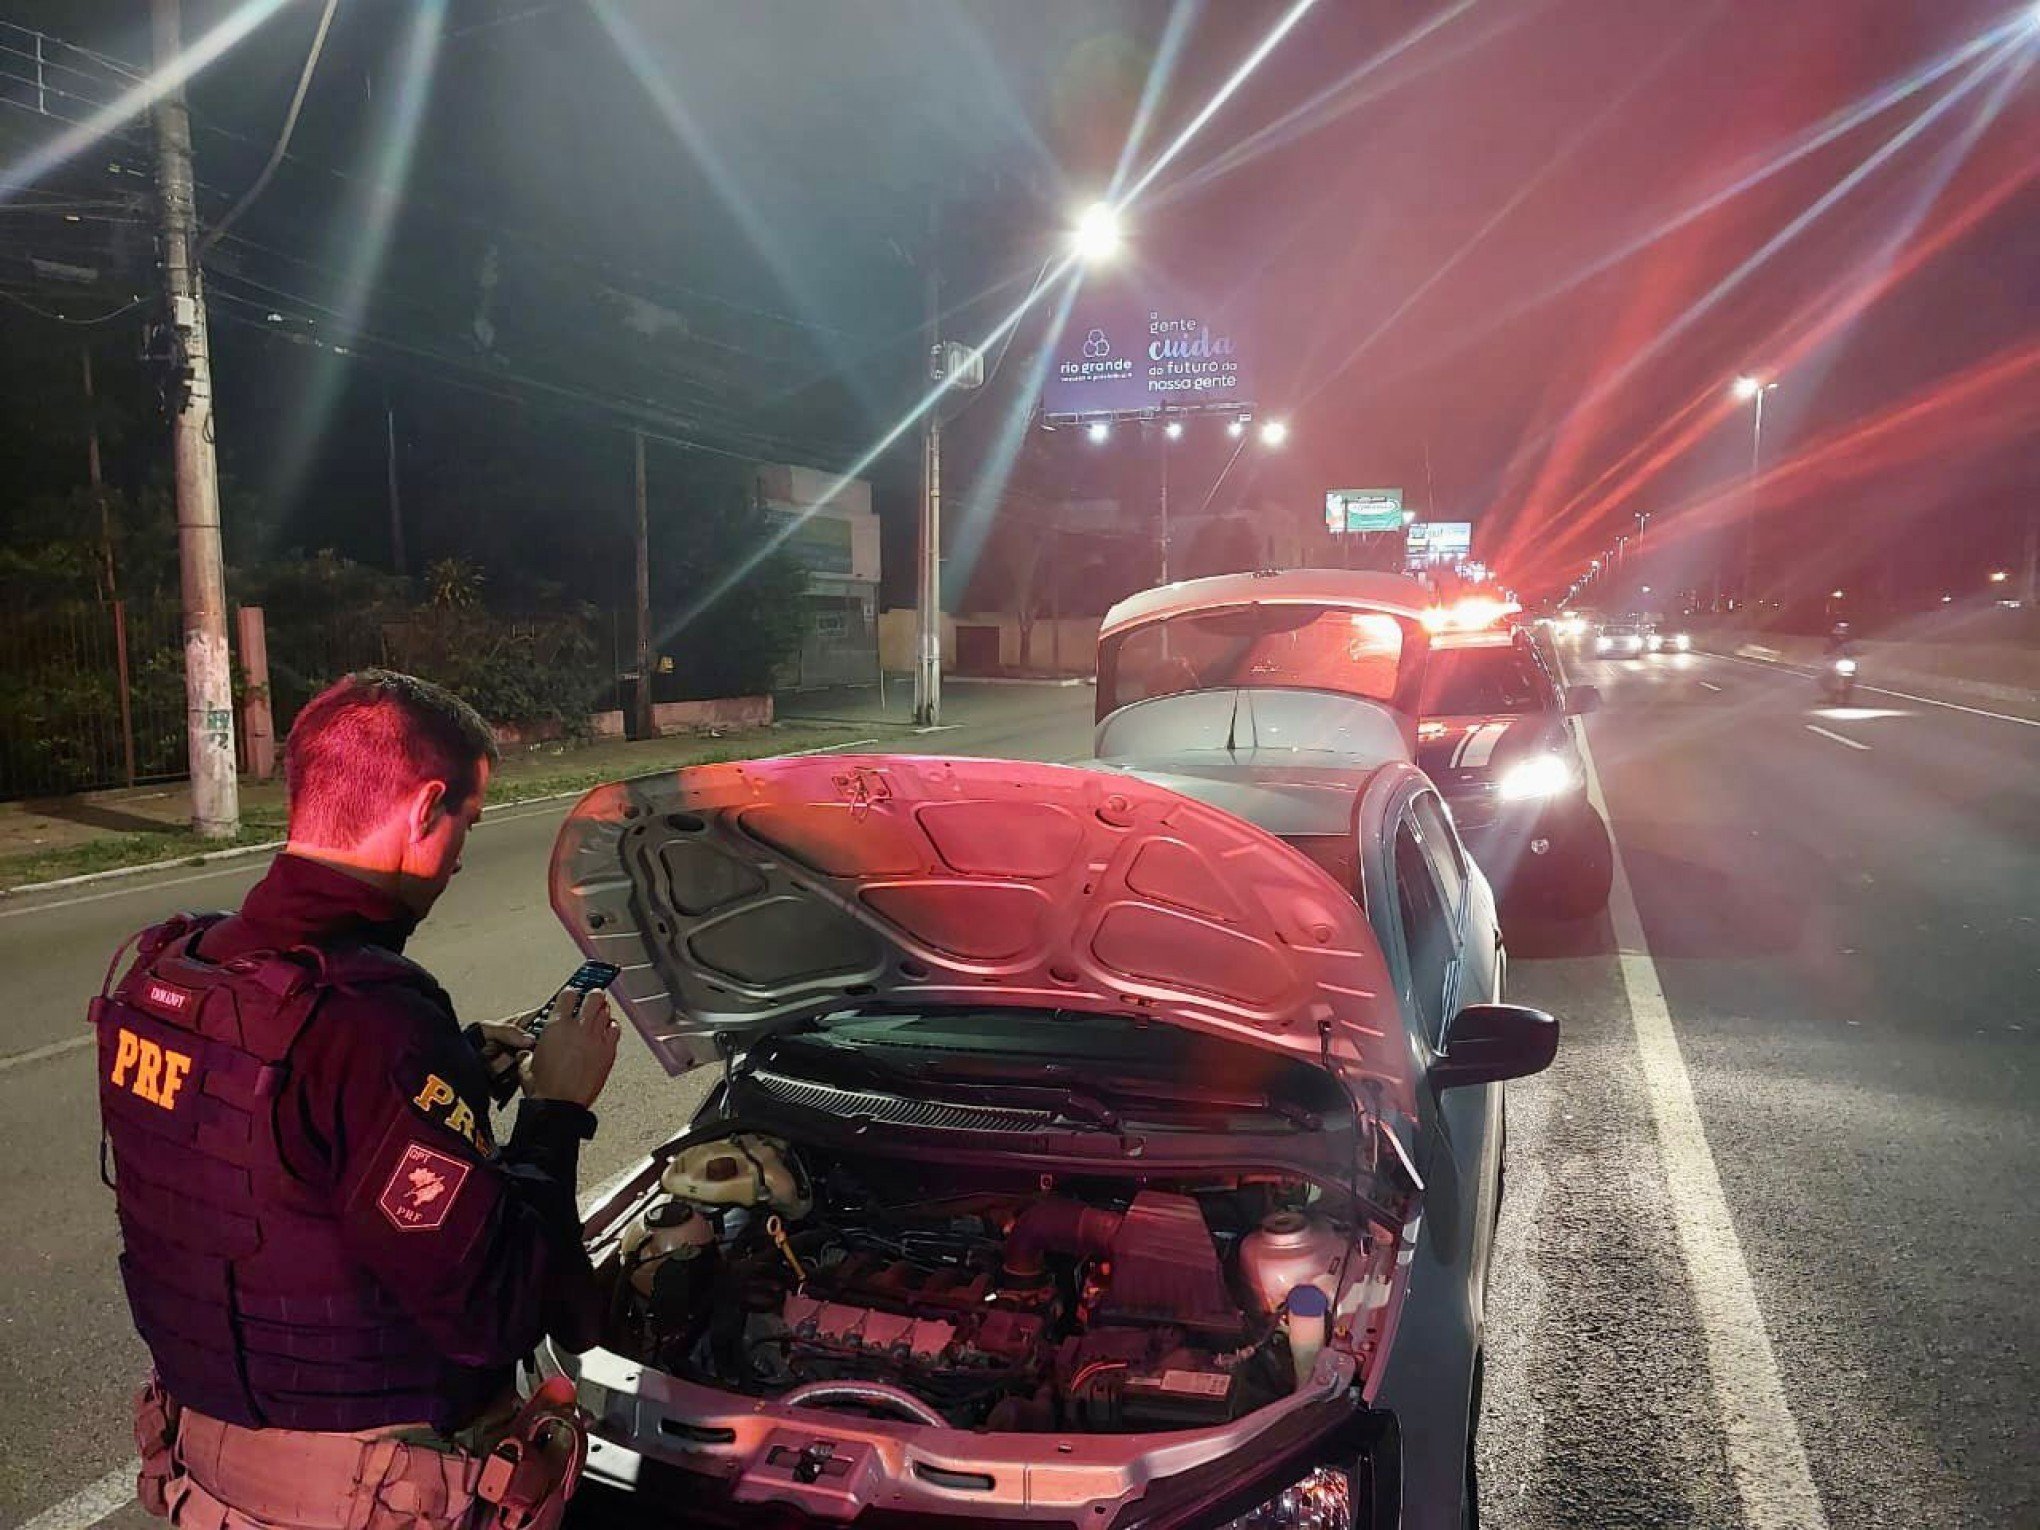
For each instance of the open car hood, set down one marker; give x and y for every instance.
(742, 898)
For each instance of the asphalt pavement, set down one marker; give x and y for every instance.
(1766, 1252)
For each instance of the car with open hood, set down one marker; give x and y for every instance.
(1081, 1153)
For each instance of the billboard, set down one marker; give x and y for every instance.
(1358, 510)
(1127, 353)
(1430, 542)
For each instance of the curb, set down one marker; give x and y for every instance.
(234, 852)
(204, 857)
(1043, 682)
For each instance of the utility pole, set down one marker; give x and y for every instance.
(928, 599)
(643, 725)
(95, 476)
(396, 503)
(208, 674)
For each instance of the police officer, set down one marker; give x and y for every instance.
(333, 1261)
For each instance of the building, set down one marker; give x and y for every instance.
(838, 544)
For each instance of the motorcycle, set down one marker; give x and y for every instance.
(1838, 680)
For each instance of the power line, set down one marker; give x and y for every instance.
(635, 411)
(21, 302)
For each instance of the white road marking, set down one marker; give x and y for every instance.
(1838, 738)
(121, 892)
(1953, 706)
(1710, 685)
(89, 1505)
(1759, 1435)
(795, 754)
(37, 1054)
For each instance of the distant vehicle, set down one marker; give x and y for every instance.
(1498, 733)
(1068, 1160)
(1627, 638)
(1670, 637)
(1838, 679)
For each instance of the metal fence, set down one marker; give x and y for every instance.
(90, 695)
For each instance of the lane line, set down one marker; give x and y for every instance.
(1838, 738)
(1759, 1436)
(127, 892)
(37, 1054)
(90, 1504)
(1710, 685)
(1932, 701)
(795, 754)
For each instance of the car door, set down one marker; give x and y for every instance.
(1451, 957)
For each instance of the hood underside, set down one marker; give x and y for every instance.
(743, 898)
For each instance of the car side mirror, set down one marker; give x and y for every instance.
(1487, 1043)
(1582, 699)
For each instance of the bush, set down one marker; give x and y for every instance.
(534, 670)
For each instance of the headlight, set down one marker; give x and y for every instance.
(1682, 641)
(1602, 644)
(1845, 666)
(1322, 1500)
(1542, 775)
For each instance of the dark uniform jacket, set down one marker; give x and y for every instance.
(383, 1118)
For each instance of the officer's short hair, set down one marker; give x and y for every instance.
(366, 743)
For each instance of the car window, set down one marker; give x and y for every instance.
(1427, 931)
(1469, 682)
(1320, 648)
(1441, 847)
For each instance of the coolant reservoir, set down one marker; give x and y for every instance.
(743, 1169)
(1290, 1249)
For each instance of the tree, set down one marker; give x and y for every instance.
(729, 604)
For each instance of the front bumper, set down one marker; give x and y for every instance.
(675, 1452)
(1520, 842)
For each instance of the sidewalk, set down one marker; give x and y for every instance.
(46, 838)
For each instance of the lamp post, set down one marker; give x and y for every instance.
(1750, 389)
(1094, 237)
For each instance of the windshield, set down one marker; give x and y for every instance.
(1484, 682)
(1299, 647)
(1100, 1069)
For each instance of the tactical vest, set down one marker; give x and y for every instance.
(251, 1307)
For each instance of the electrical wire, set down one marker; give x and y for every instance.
(21, 302)
(290, 119)
(655, 422)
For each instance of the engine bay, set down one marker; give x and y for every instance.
(999, 1301)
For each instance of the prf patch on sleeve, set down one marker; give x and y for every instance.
(421, 1189)
(439, 1101)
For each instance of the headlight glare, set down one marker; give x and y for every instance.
(1542, 775)
(1845, 666)
(1320, 1500)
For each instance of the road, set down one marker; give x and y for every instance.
(1770, 1233)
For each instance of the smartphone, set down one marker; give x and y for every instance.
(587, 977)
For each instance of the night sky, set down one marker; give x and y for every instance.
(1537, 240)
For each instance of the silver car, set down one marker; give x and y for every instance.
(1083, 1153)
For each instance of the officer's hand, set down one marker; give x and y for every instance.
(574, 1053)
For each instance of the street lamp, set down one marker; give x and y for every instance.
(1836, 594)
(1097, 234)
(1236, 428)
(1749, 390)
